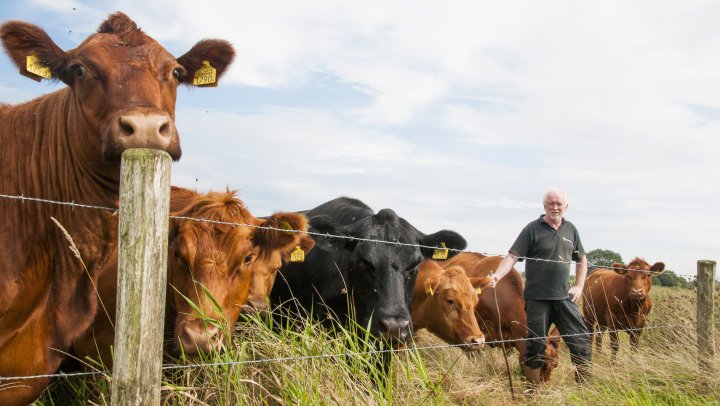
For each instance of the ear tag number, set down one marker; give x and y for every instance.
(440, 253)
(35, 68)
(298, 255)
(205, 76)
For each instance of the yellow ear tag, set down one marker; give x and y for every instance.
(205, 76)
(286, 226)
(478, 290)
(440, 253)
(431, 291)
(35, 68)
(298, 255)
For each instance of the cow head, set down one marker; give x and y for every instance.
(122, 83)
(381, 276)
(552, 358)
(639, 276)
(275, 248)
(208, 271)
(447, 305)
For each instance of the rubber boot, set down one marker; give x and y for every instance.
(532, 377)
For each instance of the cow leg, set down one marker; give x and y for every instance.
(598, 339)
(614, 343)
(634, 338)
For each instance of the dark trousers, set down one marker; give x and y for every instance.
(569, 322)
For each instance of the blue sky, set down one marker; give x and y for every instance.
(456, 114)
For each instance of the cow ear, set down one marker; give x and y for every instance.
(480, 282)
(657, 268)
(431, 285)
(21, 40)
(554, 337)
(619, 267)
(217, 53)
(324, 224)
(453, 241)
(281, 240)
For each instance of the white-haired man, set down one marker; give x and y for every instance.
(550, 244)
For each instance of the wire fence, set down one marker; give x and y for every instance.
(168, 367)
(22, 198)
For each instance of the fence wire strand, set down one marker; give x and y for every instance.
(337, 355)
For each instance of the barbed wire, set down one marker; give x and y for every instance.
(311, 233)
(342, 354)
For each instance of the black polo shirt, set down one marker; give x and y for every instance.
(547, 280)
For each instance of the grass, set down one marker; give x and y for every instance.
(301, 364)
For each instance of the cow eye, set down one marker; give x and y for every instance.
(176, 254)
(177, 74)
(450, 302)
(248, 259)
(79, 71)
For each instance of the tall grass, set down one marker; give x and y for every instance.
(307, 363)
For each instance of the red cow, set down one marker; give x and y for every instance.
(444, 301)
(209, 264)
(512, 322)
(619, 299)
(66, 146)
(265, 269)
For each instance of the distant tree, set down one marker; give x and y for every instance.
(669, 278)
(599, 258)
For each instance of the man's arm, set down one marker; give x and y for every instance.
(503, 268)
(580, 274)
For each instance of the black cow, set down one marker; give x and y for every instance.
(377, 277)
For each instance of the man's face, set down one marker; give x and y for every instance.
(555, 206)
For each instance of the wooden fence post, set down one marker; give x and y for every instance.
(142, 275)
(705, 316)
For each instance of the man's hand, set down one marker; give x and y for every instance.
(575, 292)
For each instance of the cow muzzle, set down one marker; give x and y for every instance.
(637, 294)
(395, 328)
(474, 343)
(140, 128)
(197, 336)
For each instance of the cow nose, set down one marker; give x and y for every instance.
(638, 293)
(395, 328)
(254, 306)
(199, 337)
(146, 130)
(474, 343)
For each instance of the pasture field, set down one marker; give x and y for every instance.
(663, 371)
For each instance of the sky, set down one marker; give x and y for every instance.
(456, 114)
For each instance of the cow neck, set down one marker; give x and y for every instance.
(50, 159)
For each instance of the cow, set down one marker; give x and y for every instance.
(619, 299)
(444, 302)
(210, 265)
(265, 270)
(507, 329)
(66, 146)
(362, 272)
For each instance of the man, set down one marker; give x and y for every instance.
(550, 244)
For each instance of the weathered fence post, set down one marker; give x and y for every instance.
(142, 275)
(705, 316)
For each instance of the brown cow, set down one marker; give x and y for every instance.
(510, 302)
(619, 299)
(66, 146)
(265, 269)
(209, 264)
(444, 301)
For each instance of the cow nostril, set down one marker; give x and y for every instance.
(126, 127)
(164, 128)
